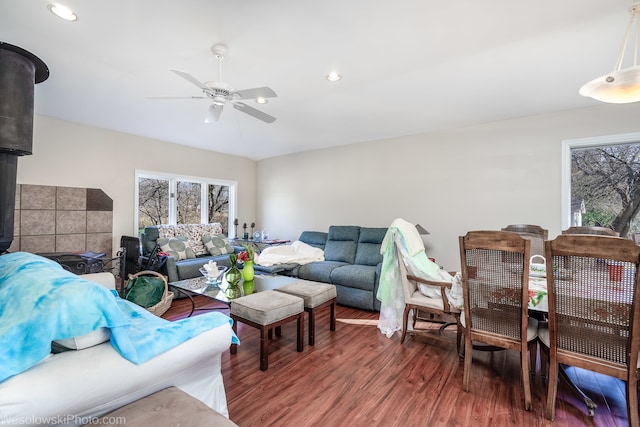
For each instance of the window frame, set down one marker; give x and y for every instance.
(173, 183)
(567, 146)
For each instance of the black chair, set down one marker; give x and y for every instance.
(132, 258)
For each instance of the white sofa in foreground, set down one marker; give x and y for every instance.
(72, 387)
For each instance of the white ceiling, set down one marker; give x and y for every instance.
(409, 66)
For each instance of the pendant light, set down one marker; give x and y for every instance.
(622, 85)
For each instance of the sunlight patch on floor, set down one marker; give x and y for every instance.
(368, 322)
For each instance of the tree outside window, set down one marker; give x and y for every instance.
(605, 186)
(188, 197)
(153, 202)
(218, 203)
(179, 200)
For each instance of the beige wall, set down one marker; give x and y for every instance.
(477, 177)
(70, 155)
(480, 177)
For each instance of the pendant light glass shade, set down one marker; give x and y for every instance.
(618, 87)
(622, 85)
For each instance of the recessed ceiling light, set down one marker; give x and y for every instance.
(334, 76)
(62, 12)
(261, 100)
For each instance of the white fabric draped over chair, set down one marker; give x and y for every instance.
(402, 248)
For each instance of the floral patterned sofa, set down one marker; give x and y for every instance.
(190, 246)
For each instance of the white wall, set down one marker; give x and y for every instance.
(480, 177)
(71, 155)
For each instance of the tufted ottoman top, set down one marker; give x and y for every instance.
(266, 307)
(166, 408)
(313, 293)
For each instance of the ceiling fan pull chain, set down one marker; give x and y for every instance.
(219, 68)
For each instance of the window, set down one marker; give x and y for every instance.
(167, 199)
(601, 183)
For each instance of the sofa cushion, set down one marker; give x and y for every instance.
(193, 233)
(81, 342)
(358, 298)
(176, 247)
(319, 271)
(369, 244)
(217, 245)
(355, 276)
(314, 238)
(342, 243)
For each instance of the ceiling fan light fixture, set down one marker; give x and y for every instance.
(219, 100)
(213, 114)
(261, 100)
(334, 76)
(220, 93)
(622, 85)
(62, 12)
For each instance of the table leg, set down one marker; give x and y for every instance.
(264, 347)
(300, 338)
(590, 404)
(193, 303)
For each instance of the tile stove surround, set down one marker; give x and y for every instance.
(62, 219)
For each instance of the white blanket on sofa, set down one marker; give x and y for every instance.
(296, 253)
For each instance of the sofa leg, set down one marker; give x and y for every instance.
(234, 347)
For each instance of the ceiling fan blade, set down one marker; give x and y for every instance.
(177, 97)
(191, 79)
(254, 112)
(258, 92)
(213, 114)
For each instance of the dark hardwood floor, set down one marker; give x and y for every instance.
(356, 376)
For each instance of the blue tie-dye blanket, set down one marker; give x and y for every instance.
(41, 302)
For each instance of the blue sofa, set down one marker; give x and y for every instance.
(352, 263)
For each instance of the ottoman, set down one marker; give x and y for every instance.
(267, 310)
(166, 408)
(316, 296)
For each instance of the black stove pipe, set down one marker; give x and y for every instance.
(19, 72)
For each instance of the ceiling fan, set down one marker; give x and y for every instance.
(221, 93)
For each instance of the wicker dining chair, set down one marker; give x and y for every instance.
(594, 322)
(496, 298)
(587, 229)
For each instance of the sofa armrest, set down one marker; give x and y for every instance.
(106, 279)
(316, 239)
(170, 270)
